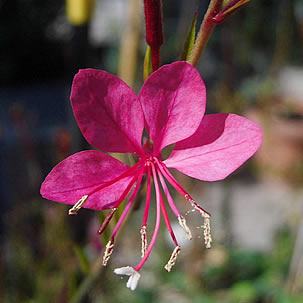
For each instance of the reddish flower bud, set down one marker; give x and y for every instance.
(154, 31)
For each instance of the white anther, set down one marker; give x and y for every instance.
(134, 276)
(143, 240)
(207, 233)
(173, 258)
(206, 224)
(108, 252)
(74, 210)
(183, 224)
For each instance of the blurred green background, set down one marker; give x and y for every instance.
(252, 66)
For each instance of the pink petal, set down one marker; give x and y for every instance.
(80, 174)
(107, 111)
(221, 144)
(173, 100)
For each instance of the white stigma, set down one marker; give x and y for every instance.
(183, 224)
(143, 240)
(134, 276)
(108, 252)
(74, 210)
(173, 258)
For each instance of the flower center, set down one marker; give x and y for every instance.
(157, 176)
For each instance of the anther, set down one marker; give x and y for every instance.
(143, 240)
(183, 224)
(206, 217)
(206, 224)
(106, 221)
(207, 233)
(173, 258)
(108, 251)
(74, 210)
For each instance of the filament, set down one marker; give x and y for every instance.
(128, 206)
(157, 225)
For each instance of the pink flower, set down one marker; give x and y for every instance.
(170, 106)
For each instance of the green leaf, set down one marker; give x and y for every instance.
(190, 40)
(83, 260)
(147, 63)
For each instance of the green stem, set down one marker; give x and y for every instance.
(88, 282)
(205, 31)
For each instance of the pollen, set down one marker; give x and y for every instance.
(173, 258)
(108, 252)
(207, 233)
(143, 240)
(74, 210)
(206, 224)
(183, 224)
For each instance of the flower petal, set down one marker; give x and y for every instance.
(107, 111)
(173, 100)
(221, 144)
(80, 174)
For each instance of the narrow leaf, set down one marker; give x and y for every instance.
(147, 63)
(190, 40)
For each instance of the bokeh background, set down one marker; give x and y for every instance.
(252, 66)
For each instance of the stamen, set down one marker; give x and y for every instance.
(108, 251)
(128, 206)
(143, 240)
(106, 221)
(183, 224)
(148, 197)
(134, 276)
(173, 258)
(168, 196)
(206, 217)
(157, 225)
(74, 210)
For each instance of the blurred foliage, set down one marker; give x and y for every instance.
(50, 267)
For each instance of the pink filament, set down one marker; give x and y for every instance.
(118, 202)
(127, 173)
(168, 196)
(167, 222)
(157, 225)
(147, 201)
(169, 177)
(128, 206)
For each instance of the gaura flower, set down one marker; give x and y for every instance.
(170, 107)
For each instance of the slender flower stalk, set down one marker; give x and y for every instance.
(154, 29)
(171, 106)
(205, 31)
